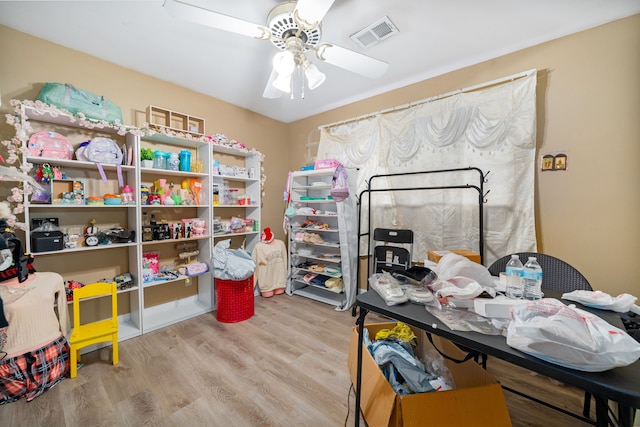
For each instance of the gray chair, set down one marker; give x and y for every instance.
(557, 275)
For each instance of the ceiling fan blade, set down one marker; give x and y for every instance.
(270, 91)
(217, 20)
(309, 13)
(351, 61)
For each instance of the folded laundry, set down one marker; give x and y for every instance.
(312, 238)
(305, 264)
(309, 277)
(318, 268)
(319, 280)
(316, 225)
(334, 284)
(306, 211)
(329, 257)
(332, 270)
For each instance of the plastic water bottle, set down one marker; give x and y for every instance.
(532, 274)
(185, 160)
(515, 286)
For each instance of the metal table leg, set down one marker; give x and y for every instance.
(360, 323)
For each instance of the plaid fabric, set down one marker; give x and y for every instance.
(3, 342)
(32, 373)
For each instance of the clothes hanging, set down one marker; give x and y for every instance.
(271, 265)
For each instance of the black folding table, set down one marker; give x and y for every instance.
(619, 385)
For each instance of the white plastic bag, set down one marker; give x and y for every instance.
(602, 300)
(569, 337)
(452, 265)
(388, 288)
(457, 287)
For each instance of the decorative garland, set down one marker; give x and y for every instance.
(17, 146)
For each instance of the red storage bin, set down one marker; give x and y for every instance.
(235, 299)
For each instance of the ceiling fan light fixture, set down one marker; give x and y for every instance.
(284, 63)
(283, 83)
(270, 91)
(314, 76)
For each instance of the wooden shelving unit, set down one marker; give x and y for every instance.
(179, 122)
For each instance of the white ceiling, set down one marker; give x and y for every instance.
(436, 36)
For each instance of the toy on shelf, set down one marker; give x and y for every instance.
(198, 227)
(175, 194)
(150, 265)
(144, 194)
(69, 286)
(195, 186)
(44, 173)
(91, 234)
(186, 194)
(128, 197)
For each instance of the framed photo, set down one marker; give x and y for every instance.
(548, 162)
(560, 162)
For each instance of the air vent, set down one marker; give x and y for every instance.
(373, 34)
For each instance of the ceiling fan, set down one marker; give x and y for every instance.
(294, 28)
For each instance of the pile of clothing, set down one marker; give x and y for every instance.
(334, 284)
(393, 351)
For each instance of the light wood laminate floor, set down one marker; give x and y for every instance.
(285, 366)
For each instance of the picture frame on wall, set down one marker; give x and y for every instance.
(547, 162)
(560, 162)
(550, 162)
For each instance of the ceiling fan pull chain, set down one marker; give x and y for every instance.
(301, 79)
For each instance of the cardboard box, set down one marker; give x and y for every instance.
(477, 400)
(436, 255)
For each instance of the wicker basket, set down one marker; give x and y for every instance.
(235, 300)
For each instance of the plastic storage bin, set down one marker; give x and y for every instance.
(160, 159)
(235, 300)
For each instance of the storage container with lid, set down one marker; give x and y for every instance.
(160, 159)
(185, 160)
(173, 163)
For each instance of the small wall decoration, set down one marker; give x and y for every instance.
(547, 162)
(550, 162)
(560, 162)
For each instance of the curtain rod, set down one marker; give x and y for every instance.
(510, 78)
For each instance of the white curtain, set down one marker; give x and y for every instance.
(493, 129)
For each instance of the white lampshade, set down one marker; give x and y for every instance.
(283, 83)
(314, 76)
(270, 90)
(284, 63)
